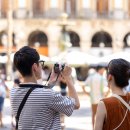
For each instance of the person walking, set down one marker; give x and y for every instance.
(113, 113)
(42, 107)
(3, 92)
(97, 84)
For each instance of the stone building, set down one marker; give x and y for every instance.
(98, 27)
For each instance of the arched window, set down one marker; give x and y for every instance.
(38, 8)
(74, 39)
(127, 40)
(102, 7)
(101, 38)
(70, 7)
(38, 38)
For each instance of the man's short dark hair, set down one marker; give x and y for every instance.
(24, 59)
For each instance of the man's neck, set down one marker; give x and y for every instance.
(29, 80)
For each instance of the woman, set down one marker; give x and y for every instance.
(112, 114)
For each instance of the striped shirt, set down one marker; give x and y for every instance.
(42, 108)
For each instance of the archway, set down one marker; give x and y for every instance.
(39, 40)
(126, 40)
(74, 39)
(101, 38)
(38, 37)
(4, 38)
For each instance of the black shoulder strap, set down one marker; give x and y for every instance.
(22, 105)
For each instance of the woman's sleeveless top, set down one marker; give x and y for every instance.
(115, 113)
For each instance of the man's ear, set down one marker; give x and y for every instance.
(34, 67)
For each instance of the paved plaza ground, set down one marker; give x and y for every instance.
(80, 120)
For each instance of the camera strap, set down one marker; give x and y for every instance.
(52, 84)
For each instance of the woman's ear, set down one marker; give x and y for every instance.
(109, 77)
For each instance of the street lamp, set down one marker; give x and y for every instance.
(64, 41)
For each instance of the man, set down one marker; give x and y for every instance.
(97, 84)
(43, 106)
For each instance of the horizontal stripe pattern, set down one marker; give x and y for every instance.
(42, 108)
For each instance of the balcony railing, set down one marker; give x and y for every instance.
(53, 13)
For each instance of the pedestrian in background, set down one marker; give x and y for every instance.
(43, 106)
(3, 92)
(127, 88)
(113, 113)
(97, 83)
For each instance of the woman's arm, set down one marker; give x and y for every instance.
(100, 116)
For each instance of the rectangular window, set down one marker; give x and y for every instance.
(54, 3)
(4, 7)
(70, 7)
(118, 4)
(102, 7)
(0, 8)
(129, 7)
(21, 3)
(86, 3)
(38, 8)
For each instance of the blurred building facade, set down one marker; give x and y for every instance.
(98, 27)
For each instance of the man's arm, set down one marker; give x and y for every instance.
(100, 116)
(66, 74)
(72, 91)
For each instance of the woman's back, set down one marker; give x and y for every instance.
(115, 113)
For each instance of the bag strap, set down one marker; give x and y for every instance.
(126, 104)
(22, 105)
(122, 100)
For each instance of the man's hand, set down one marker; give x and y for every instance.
(66, 73)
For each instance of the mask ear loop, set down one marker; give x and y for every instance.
(52, 85)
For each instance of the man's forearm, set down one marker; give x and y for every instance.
(72, 91)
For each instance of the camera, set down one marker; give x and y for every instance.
(58, 67)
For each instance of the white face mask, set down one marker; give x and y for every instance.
(39, 81)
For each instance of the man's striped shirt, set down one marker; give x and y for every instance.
(42, 108)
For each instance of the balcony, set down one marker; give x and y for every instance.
(86, 13)
(118, 14)
(20, 13)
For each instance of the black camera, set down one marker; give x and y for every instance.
(58, 67)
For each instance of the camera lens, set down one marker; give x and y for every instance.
(56, 68)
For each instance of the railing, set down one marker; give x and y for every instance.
(53, 13)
